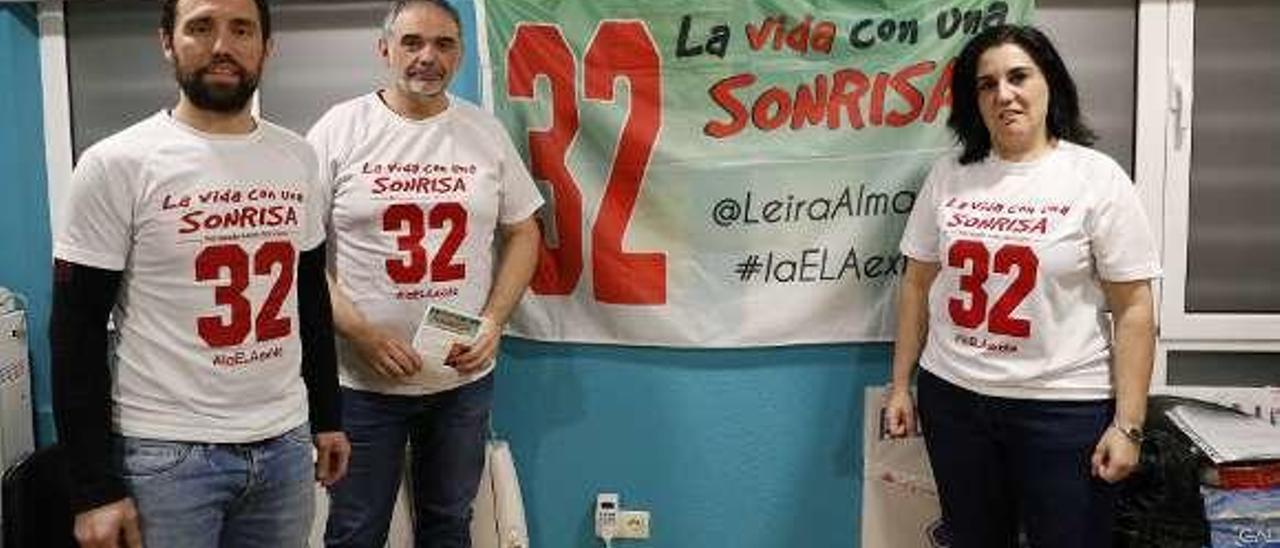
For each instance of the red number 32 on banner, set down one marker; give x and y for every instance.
(618, 50)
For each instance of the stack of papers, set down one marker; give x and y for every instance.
(1225, 436)
(441, 327)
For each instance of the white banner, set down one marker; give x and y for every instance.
(724, 173)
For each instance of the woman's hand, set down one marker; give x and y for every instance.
(900, 412)
(1115, 456)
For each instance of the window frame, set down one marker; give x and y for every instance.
(1240, 331)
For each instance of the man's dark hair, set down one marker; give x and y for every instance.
(170, 14)
(397, 6)
(1063, 120)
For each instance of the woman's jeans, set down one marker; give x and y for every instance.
(1004, 464)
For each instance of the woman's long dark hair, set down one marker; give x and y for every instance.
(1063, 119)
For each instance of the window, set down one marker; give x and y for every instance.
(1213, 86)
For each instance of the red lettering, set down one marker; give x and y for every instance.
(191, 222)
(894, 100)
(619, 50)
(824, 35)
(798, 38)
(811, 103)
(756, 36)
(773, 100)
(907, 91)
(940, 96)
(625, 50)
(560, 267)
(230, 330)
(722, 94)
(877, 98)
(841, 96)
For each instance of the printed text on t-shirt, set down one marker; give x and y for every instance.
(223, 209)
(987, 216)
(970, 310)
(415, 178)
(409, 222)
(271, 259)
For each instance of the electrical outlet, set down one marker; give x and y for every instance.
(633, 524)
(607, 515)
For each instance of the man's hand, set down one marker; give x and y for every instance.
(387, 355)
(1115, 456)
(109, 526)
(333, 451)
(474, 357)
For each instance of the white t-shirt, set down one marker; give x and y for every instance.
(416, 205)
(1017, 309)
(207, 230)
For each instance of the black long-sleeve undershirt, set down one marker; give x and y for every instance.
(83, 297)
(319, 358)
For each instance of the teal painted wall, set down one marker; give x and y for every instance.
(24, 204)
(750, 448)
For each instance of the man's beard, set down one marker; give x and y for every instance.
(409, 84)
(217, 98)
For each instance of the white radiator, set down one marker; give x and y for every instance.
(498, 519)
(16, 440)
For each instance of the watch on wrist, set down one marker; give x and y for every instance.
(1134, 433)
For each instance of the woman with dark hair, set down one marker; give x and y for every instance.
(1031, 400)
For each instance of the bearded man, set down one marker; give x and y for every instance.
(202, 229)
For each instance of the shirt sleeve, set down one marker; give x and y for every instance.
(920, 238)
(1120, 236)
(318, 200)
(98, 230)
(519, 196)
(319, 358)
(320, 136)
(81, 380)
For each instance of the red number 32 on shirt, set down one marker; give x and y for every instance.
(409, 222)
(276, 258)
(971, 311)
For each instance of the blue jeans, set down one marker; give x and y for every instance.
(204, 495)
(1002, 462)
(446, 433)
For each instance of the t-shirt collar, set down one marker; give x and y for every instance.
(167, 116)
